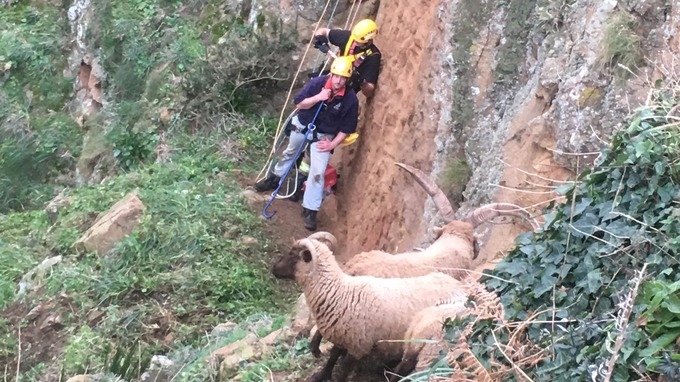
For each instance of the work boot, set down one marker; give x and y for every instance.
(310, 219)
(267, 184)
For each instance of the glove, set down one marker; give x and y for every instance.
(323, 48)
(320, 40)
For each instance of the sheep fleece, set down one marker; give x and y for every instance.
(357, 312)
(446, 252)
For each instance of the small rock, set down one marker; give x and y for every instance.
(271, 338)
(253, 197)
(234, 348)
(161, 369)
(121, 219)
(222, 330)
(325, 347)
(84, 378)
(165, 115)
(248, 241)
(33, 277)
(52, 321)
(231, 364)
(302, 321)
(59, 202)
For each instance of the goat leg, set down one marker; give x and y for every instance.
(315, 343)
(327, 372)
(405, 367)
(347, 365)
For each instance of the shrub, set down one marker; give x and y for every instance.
(574, 285)
(620, 44)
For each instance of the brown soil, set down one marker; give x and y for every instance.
(40, 338)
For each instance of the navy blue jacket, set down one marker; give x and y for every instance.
(339, 114)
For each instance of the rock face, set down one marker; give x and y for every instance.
(525, 92)
(113, 226)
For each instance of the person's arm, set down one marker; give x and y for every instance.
(369, 70)
(308, 102)
(367, 88)
(328, 145)
(322, 32)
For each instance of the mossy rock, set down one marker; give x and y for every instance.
(590, 97)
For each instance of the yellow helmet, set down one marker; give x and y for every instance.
(342, 66)
(364, 31)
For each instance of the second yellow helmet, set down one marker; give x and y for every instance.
(365, 30)
(342, 66)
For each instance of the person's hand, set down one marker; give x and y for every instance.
(324, 145)
(323, 95)
(319, 40)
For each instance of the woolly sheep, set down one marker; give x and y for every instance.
(452, 252)
(359, 314)
(425, 335)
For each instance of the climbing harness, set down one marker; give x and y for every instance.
(311, 128)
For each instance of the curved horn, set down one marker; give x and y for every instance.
(440, 200)
(326, 238)
(490, 211)
(306, 244)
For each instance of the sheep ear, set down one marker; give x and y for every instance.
(475, 248)
(306, 255)
(438, 231)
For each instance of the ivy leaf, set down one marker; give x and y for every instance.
(594, 280)
(672, 303)
(660, 343)
(665, 193)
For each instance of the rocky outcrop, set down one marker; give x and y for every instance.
(525, 92)
(121, 219)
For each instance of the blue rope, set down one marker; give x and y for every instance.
(311, 127)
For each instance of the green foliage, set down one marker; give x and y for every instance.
(132, 135)
(29, 159)
(454, 177)
(31, 41)
(181, 272)
(81, 352)
(621, 44)
(581, 267)
(38, 141)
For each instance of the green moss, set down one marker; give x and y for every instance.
(473, 16)
(511, 55)
(590, 97)
(454, 178)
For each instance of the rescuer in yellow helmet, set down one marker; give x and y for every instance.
(357, 43)
(328, 112)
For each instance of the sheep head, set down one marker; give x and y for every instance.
(478, 216)
(298, 263)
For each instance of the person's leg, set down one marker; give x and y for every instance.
(287, 157)
(314, 188)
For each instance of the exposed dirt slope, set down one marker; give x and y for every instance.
(516, 90)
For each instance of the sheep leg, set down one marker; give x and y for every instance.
(405, 367)
(315, 343)
(348, 364)
(327, 372)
